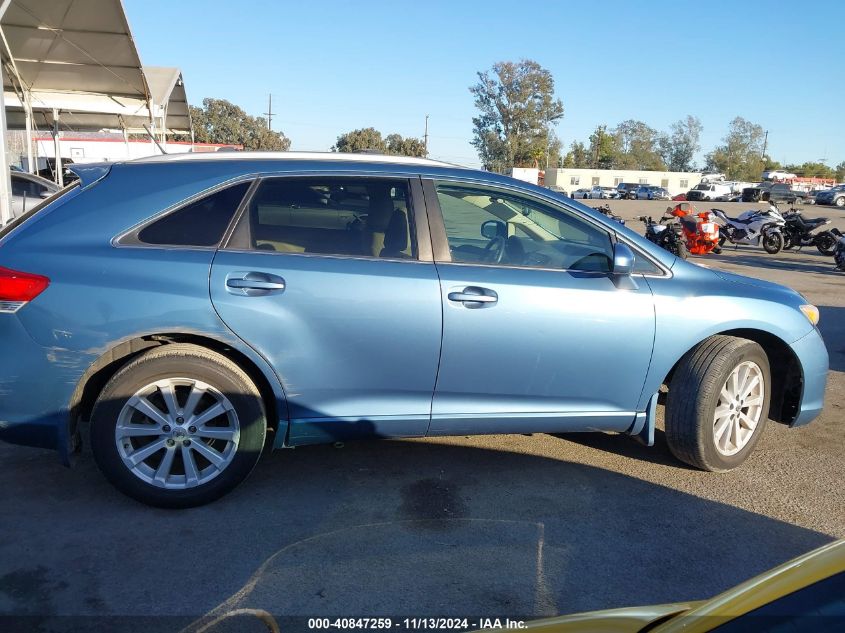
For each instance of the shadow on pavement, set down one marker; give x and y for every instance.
(376, 528)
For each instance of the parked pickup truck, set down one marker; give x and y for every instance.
(778, 192)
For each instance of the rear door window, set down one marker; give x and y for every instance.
(357, 217)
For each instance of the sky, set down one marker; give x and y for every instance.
(333, 66)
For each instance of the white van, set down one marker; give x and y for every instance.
(709, 191)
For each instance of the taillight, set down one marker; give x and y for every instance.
(17, 288)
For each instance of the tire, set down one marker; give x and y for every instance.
(681, 250)
(840, 201)
(695, 391)
(232, 440)
(826, 243)
(717, 250)
(772, 242)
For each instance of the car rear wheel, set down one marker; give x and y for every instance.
(840, 202)
(718, 403)
(177, 427)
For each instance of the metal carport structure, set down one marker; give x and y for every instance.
(74, 64)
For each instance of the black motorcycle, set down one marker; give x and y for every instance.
(839, 253)
(605, 211)
(667, 234)
(799, 231)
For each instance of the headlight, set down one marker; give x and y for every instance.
(811, 312)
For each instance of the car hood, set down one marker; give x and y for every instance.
(628, 620)
(751, 281)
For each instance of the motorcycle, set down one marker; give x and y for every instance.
(799, 232)
(701, 231)
(666, 233)
(605, 210)
(839, 254)
(756, 228)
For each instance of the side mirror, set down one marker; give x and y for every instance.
(623, 260)
(493, 228)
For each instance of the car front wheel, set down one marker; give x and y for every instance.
(718, 403)
(178, 426)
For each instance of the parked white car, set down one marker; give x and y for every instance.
(603, 193)
(709, 191)
(580, 193)
(29, 190)
(778, 174)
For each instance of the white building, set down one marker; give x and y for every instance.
(570, 179)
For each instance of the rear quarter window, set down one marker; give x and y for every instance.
(199, 223)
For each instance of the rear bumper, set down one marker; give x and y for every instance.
(36, 386)
(812, 354)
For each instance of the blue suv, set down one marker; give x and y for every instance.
(190, 310)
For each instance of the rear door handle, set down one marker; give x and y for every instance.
(474, 297)
(254, 284)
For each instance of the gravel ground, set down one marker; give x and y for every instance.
(523, 526)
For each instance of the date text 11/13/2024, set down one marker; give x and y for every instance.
(414, 624)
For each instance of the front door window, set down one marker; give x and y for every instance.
(485, 226)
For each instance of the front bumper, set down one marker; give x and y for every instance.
(812, 355)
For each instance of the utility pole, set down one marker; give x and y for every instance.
(425, 136)
(269, 114)
(765, 145)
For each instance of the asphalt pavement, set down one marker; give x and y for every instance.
(520, 526)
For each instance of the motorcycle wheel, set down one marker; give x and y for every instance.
(717, 250)
(826, 243)
(681, 250)
(773, 242)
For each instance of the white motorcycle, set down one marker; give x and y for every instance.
(756, 228)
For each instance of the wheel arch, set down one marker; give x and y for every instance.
(787, 378)
(107, 365)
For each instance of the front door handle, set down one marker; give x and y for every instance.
(474, 297)
(254, 284)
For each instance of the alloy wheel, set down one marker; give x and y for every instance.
(177, 433)
(739, 408)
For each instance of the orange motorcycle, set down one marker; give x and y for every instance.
(701, 232)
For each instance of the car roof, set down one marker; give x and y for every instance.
(292, 156)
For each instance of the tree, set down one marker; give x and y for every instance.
(810, 170)
(678, 148)
(220, 121)
(517, 108)
(638, 144)
(364, 139)
(405, 146)
(578, 156)
(840, 172)
(604, 149)
(740, 157)
(370, 139)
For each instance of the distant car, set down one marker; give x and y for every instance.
(835, 196)
(603, 193)
(49, 172)
(558, 189)
(680, 196)
(778, 192)
(650, 192)
(708, 191)
(29, 190)
(580, 193)
(778, 174)
(628, 190)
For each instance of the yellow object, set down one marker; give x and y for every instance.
(705, 615)
(811, 312)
